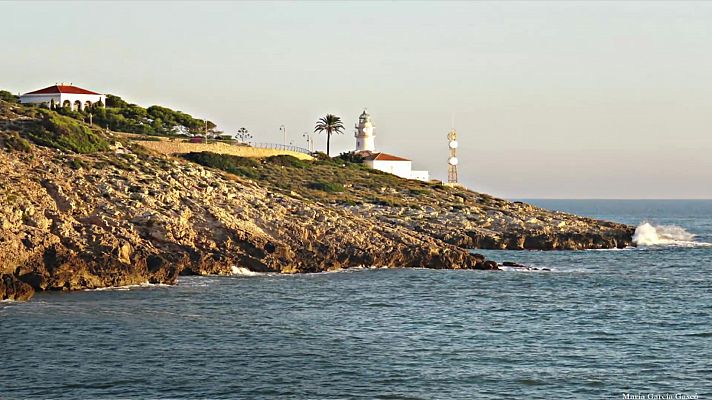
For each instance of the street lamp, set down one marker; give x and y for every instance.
(206, 131)
(307, 135)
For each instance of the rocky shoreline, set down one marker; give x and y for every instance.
(128, 216)
(69, 229)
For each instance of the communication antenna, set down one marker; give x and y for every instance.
(452, 160)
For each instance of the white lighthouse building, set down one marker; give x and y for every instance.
(365, 139)
(366, 147)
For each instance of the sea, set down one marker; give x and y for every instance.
(609, 324)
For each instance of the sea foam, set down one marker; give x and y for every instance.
(244, 271)
(647, 234)
(128, 287)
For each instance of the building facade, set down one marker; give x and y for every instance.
(68, 96)
(389, 163)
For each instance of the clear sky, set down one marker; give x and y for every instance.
(552, 99)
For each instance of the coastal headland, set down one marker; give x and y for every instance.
(81, 208)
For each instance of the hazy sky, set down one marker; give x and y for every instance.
(552, 99)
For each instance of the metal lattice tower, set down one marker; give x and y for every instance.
(452, 160)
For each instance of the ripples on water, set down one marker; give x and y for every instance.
(602, 324)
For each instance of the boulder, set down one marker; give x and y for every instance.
(12, 288)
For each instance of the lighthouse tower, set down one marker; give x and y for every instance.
(365, 139)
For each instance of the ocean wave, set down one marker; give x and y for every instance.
(627, 248)
(242, 271)
(128, 287)
(527, 269)
(647, 234)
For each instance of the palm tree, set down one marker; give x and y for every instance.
(329, 124)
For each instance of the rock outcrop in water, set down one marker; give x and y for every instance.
(127, 216)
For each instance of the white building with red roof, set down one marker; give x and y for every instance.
(365, 146)
(63, 95)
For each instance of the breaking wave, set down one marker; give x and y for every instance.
(647, 234)
(128, 287)
(244, 271)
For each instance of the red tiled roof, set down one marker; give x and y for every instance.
(63, 89)
(384, 157)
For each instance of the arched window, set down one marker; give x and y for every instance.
(87, 104)
(78, 105)
(67, 104)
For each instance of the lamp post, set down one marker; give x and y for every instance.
(307, 135)
(206, 131)
(283, 129)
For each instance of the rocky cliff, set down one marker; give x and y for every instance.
(100, 216)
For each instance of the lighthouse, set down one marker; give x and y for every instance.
(365, 139)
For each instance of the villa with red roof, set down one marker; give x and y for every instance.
(366, 146)
(61, 95)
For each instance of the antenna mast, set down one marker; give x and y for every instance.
(452, 161)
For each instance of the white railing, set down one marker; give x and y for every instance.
(278, 146)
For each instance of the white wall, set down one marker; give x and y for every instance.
(365, 143)
(39, 98)
(399, 168)
(420, 175)
(365, 139)
(60, 98)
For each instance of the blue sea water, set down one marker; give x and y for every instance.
(600, 325)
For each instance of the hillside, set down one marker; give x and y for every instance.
(81, 209)
(455, 215)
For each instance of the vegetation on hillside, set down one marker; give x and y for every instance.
(9, 97)
(65, 134)
(242, 166)
(338, 180)
(12, 141)
(47, 128)
(119, 115)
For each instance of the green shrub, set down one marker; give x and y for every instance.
(9, 97)
(386, 201)
(77, 163)
(350, 157)
(350, 202)
(418, 191)
(220, 161)
(329, 187)
(246, 172)
(146, 138)
(65, 134)
(13, 142)
(321, 156)
(242, 166)
(286, 161)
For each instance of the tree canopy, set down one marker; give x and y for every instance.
(329, 124)
(119, 115)
(9, 97)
